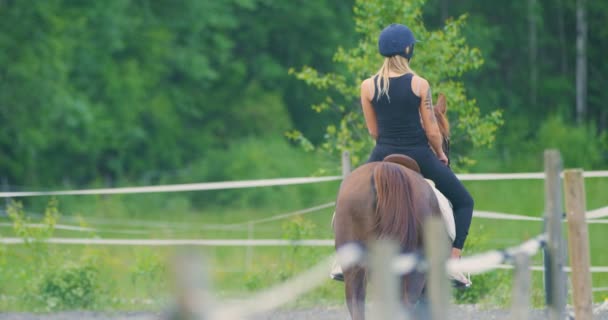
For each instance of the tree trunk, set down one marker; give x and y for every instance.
(581, 61)
(562, 38)
(444, 10)
(533, 51)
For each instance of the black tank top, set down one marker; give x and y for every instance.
(398, 118)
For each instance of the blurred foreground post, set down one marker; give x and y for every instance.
(520, 301)
(555, 280)
(384, 284)
(193, 298)
(436, 247)
(578, 240)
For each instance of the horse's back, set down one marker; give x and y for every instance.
(355, 202)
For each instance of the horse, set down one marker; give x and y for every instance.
(385, 199)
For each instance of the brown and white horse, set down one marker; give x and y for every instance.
(385, 199)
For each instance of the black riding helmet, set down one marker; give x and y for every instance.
(394, 40)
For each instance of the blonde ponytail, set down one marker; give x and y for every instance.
(395, 64)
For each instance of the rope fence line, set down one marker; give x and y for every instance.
(403, 264)
(593, 217)
(242, 226)
(75, 228)
(286, 215)
(521, 176)
(178, 242)
(486, 261)
(224, 185)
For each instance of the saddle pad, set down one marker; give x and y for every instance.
(446, 211)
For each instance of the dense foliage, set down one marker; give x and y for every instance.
(124, 89)
(138, 90)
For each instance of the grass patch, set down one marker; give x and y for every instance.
(138, 278)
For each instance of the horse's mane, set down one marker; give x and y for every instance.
(440, 111)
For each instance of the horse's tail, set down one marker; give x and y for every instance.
(395, 213)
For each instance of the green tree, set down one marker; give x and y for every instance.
(124, 90)
(442, 57)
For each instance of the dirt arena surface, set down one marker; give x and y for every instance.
(465, 312)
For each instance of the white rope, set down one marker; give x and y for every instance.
(503, 216)
(285, 215)
(166, 224)
(75, 228)
(487, 261)
(477, 264)
(600, 289)
(177, 187)
(179, 242)
(597, 269)
(597, 213)
(265, 183)
(592, 216)
(521, 176)
(529, 247)
(499, 176)
(405, 263)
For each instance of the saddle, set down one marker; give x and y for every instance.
(403, 160)
(444, 204)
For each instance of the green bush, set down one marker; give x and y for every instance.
(260, 159)
(580, 146)
(70, 287)
(522, 144)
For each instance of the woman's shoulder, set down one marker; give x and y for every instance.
(418, 78)
(367, 87)
(419, 85)
(368, 80)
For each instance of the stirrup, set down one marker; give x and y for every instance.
(336, 272)
(458, 281)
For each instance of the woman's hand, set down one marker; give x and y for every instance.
(443, 158)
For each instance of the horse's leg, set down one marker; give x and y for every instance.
(413, 294)
(355, 286)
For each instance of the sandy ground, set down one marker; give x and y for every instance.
(469, 312)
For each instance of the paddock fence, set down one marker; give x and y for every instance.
(195, 301)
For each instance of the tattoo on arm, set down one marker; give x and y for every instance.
(428, 101)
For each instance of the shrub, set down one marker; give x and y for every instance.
(70, 287)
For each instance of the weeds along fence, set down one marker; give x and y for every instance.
(194, 299)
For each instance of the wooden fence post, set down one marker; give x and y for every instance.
(346, 164)
(384, 283)
(520, 302)
(436, 247)
(578, 243)
(193, 297)
(555, 280)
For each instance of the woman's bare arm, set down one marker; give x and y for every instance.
(368, 109)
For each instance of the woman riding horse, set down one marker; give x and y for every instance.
(398, 109)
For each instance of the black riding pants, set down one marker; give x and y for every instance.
(445, 181)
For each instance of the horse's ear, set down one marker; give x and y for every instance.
(442, 105)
